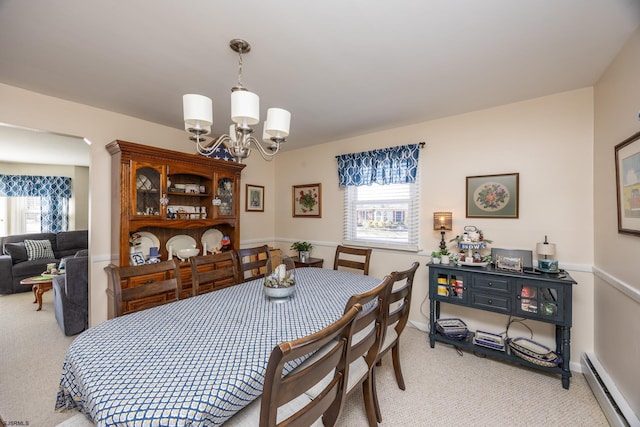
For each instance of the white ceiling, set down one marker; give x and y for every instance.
(343, 68)
(22, 145)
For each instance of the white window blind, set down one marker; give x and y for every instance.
(384, 216)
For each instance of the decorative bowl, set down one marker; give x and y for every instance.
(184, 254)
(279, 279)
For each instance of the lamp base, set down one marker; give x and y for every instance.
(548, 265)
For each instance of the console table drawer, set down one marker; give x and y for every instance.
(490, 283)
(491, 302)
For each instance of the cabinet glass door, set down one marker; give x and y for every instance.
(450, 285)
(147, 191)
(541, 300)
(225, 190)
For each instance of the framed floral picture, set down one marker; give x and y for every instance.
(307, 200)
(493, 196)
(254, 201)
(628, 184)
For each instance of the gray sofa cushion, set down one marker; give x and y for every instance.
(69, 242)
(17, 252)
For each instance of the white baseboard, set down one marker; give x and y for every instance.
(613, 404)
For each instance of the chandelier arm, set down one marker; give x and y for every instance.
(212, 146)
(265, 155)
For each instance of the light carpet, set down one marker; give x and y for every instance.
(442, 388)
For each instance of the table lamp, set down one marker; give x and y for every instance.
(442, 221)
(548, 264)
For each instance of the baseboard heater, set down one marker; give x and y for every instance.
(615, 408)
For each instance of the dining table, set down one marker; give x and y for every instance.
(200, 360)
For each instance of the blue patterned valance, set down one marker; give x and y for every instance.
(54, 193)
(34, 186)
(393, 165)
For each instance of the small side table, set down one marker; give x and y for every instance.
(312, 262)
(39, 287)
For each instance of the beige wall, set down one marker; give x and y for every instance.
(79, 202)
(617, 283)
(548, 141)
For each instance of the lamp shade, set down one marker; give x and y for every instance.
(278, 121)
(245, 108)
(547, 249)
(198, 111)
(442, 221)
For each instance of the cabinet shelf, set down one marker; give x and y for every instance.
(468, 345)
(182, 194)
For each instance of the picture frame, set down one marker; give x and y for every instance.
(254, 198)
(493, 196)
(509, 263)
(307, 200)
(136, 258)
(627, 154)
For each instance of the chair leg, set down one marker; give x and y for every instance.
(376, 404)
(395, 351)
(369, 405)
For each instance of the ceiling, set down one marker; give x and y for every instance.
(22, 145)
(343, 68)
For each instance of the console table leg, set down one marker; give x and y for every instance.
(566, 356)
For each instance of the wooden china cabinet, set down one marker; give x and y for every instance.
(164, 195)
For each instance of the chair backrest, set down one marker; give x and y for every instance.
(213, 272)
(368, 329)
(355, 258)
(400, 297)
(135, 288)
(334, 342)
(252, 262)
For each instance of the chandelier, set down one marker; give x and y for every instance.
(245, 112)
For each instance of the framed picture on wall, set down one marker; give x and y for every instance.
(254, 198)
(307, 200)
(628, 184)
(493, 196)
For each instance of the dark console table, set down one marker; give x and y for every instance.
(542, 297)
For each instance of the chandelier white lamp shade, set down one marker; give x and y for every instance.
(198, 115)
(245, 112)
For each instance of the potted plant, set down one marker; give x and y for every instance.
(435, 257)
(303, 249)
(444, 255)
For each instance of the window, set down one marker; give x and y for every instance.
(20, 215)
(381, 198)
(382, 215)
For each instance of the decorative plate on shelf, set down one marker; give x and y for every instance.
(213, 239)
(181, 241)
(145, 242)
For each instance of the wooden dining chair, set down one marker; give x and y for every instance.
(284, 401)
(213, 272)
(368, 335)
(353, 258)
(135, 288)
(252, 262)
(399, 304)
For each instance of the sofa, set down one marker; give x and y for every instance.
(15, 264)
(71, 294)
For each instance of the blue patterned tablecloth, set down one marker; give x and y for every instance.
(197, 361)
